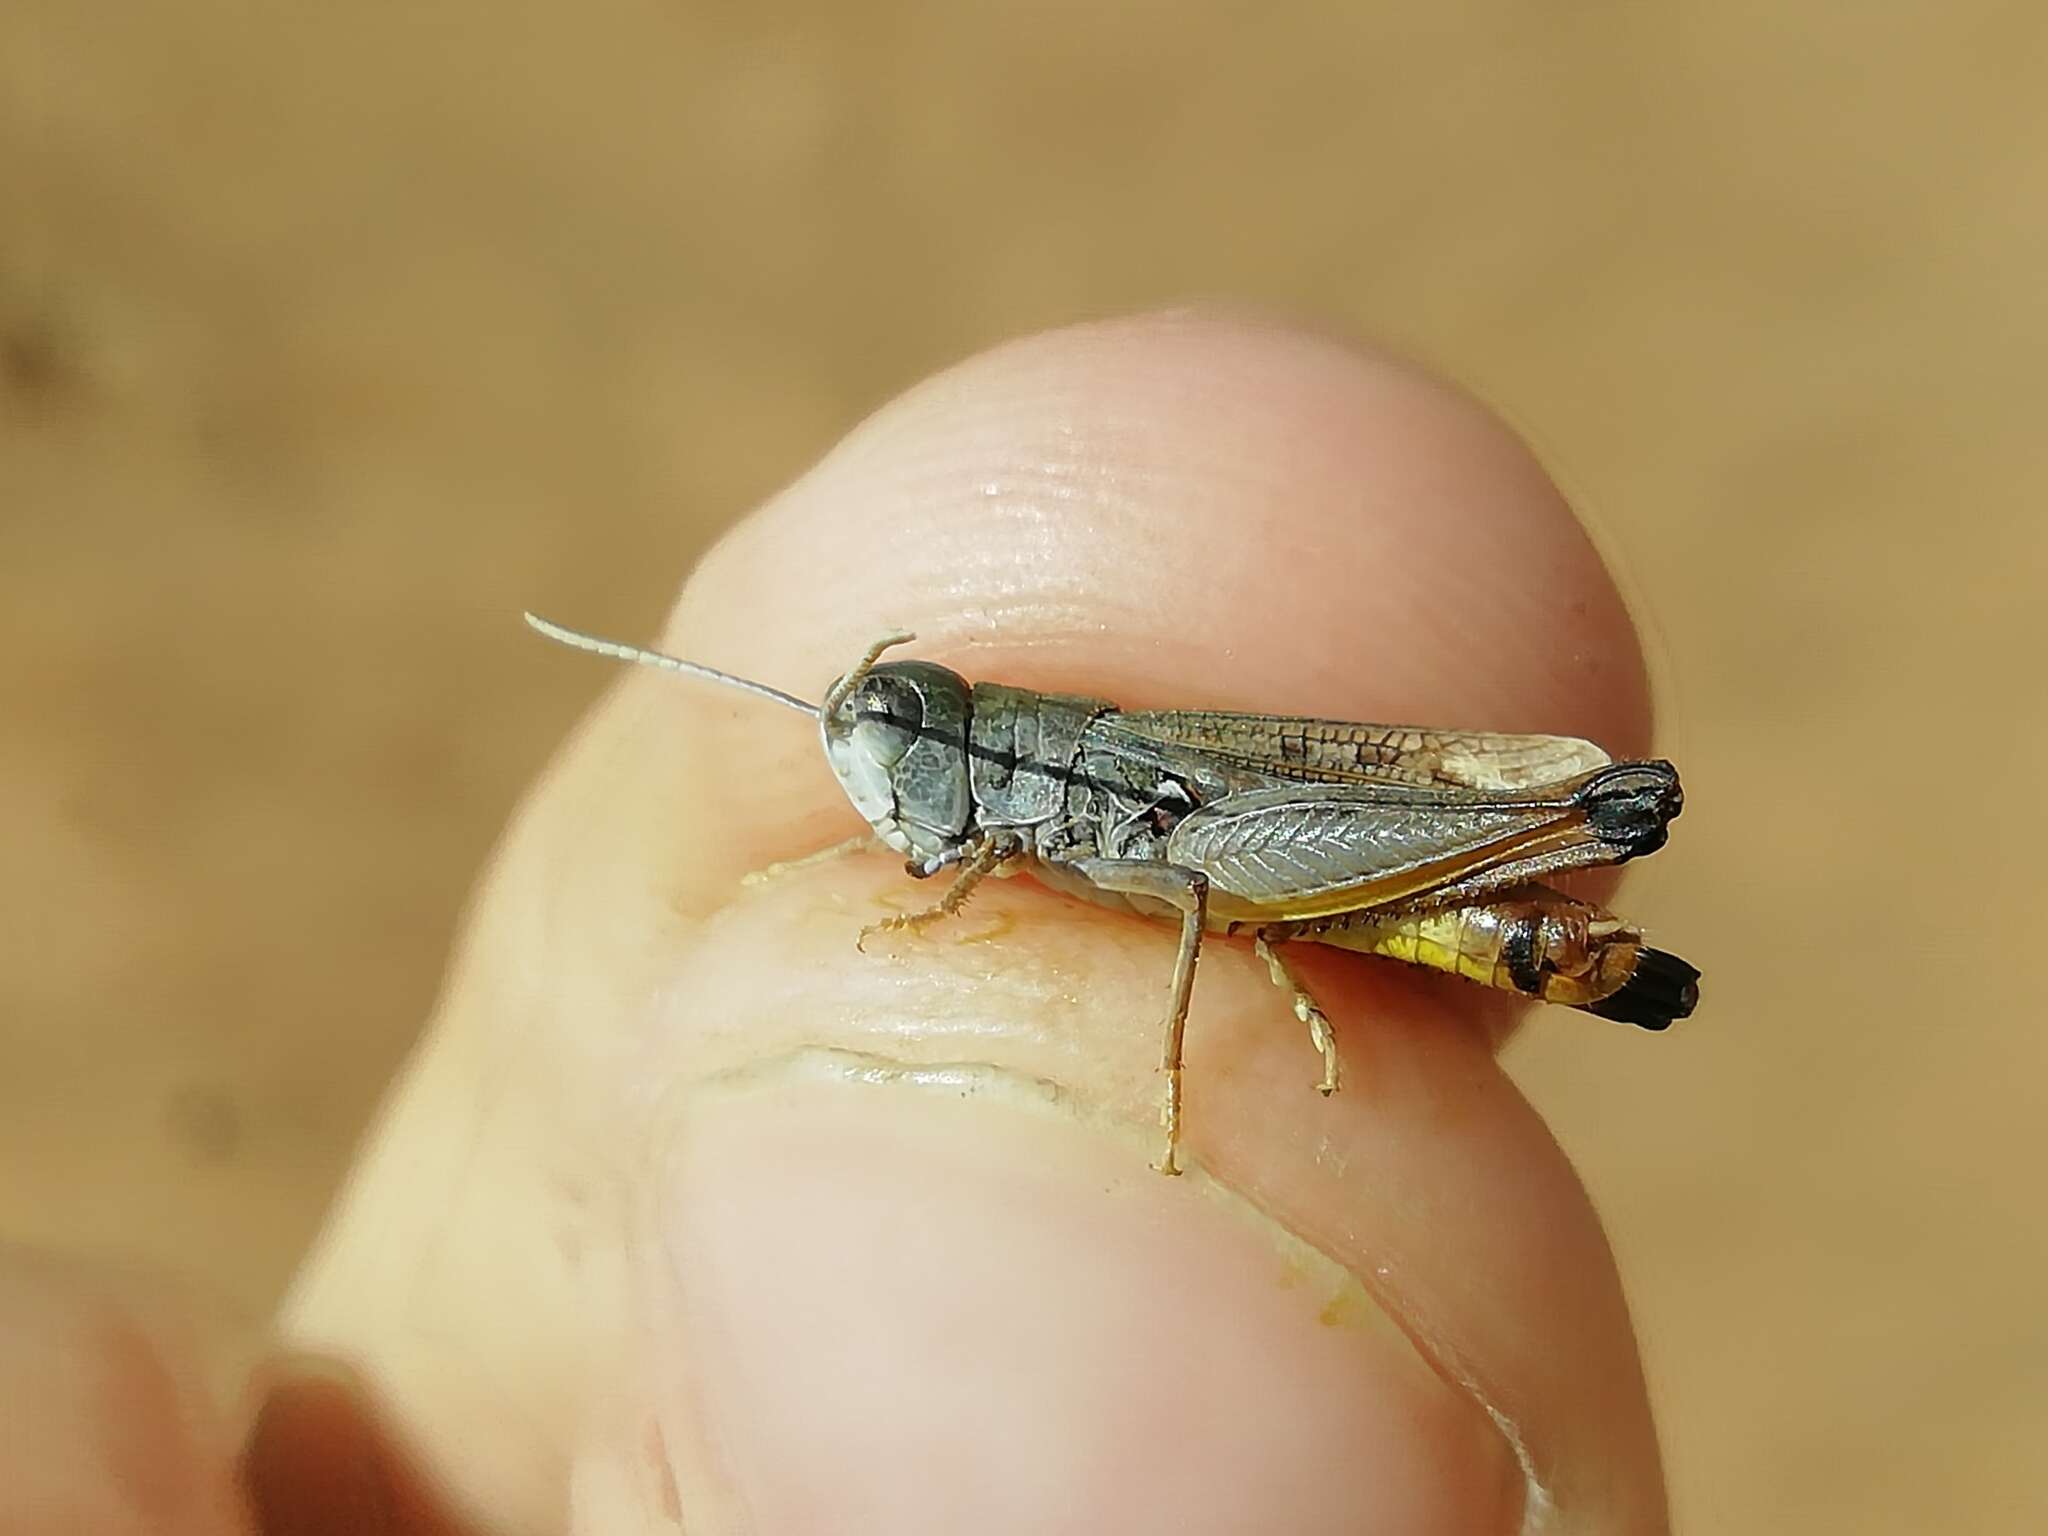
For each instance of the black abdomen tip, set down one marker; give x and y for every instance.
(1663, 989)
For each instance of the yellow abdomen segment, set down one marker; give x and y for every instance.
(1534, 941)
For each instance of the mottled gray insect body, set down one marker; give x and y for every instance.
(1023, 747)
(1421, 845)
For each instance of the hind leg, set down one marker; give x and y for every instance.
(1187, 891)
(1306, 1009)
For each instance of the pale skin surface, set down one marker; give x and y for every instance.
(686, 1207)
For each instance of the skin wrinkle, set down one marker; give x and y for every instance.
(934, 994)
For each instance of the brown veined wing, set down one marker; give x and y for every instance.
(1295, 749)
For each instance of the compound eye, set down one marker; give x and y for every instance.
(886, 716)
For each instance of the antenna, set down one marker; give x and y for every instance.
(843, 689)
(576, 640)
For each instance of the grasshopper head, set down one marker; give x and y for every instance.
(898, 743)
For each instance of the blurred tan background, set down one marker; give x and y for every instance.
(332, 336)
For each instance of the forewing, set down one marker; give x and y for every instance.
(1250, 749)
(1307, 850)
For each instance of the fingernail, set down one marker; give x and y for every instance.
(933, 1301)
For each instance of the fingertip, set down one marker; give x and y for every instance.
(1189, 508)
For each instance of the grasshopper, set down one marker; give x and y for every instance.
(1425, 846)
